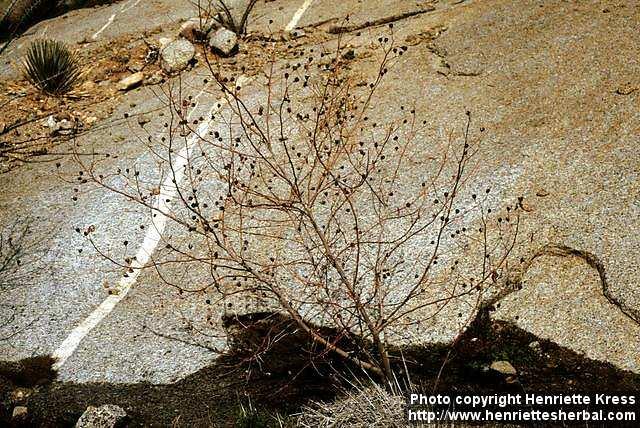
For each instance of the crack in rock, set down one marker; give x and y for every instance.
(561, 250)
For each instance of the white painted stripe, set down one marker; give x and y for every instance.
(296, 17)
(168, 191)
(132, 5)
(104, 27)
(125, 7)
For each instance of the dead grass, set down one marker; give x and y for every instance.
(366, 405)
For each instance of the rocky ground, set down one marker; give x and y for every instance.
(553, 85)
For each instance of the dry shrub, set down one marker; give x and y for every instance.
(298, 200)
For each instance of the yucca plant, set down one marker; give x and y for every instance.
(51, 67)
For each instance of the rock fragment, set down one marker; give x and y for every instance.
(223, 42)
(20, 414)
(177, 55)
(106, 416)
(130, 82)
(59, 125)
(155, 79)
(503, 367)
(535, 347)
(350, 55)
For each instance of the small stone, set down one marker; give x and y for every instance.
(535, 346)
(503, 367)
(190, 30)
(136, 67)
(106, 416)
(58, 126)
(542, 193)
(153, 52)
(177, 55)
(19, 414)
(66, 124)
(54, 125)
(223, 41)
(155, 79)
(130, 82)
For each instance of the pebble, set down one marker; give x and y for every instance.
(503, 367)
(132, 81)
(106, 416)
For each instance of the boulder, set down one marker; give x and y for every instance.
(177, 55)
(223, 42)
(132, 81)
(106, 416)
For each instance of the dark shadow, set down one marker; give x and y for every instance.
(29, 372)
(279, 369)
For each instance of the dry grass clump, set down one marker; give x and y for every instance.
(370, 405)
(361, 407)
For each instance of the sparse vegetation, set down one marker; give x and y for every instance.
(303, 205)
(362, 406)
(299, 201)
(51, 67)
(248, 416)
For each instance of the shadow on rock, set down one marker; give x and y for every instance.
(278, 368)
